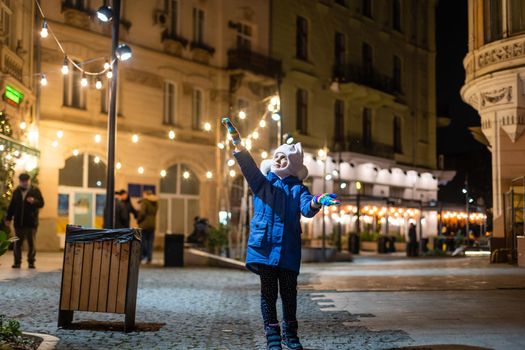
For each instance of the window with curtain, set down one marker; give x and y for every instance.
(396, 73)
(74, 94)
(397, 135)
(367, 127)
(492, 21)
(301, 99)
(516, 16)
(197, 107)
(396, 15)
(339, 121)
(301, 38)
(198, 25)
(367, 58)
(172, 9)
(169, 103)
(367, 8)
(244, 36)
(340, 50)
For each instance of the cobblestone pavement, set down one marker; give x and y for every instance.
(374, 303)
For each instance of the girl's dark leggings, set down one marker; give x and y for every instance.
(273, 280)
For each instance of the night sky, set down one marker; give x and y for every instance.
(462, 152)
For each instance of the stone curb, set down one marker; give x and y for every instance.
(49, 342)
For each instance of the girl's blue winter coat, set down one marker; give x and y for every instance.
(275, 230)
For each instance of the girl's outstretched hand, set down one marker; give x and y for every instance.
(326, 199)
(234, 133)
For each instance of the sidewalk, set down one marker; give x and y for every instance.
(375, 303)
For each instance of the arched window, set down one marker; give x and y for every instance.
(179, 203)
(81, 192)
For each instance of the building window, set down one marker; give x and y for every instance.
(339, 123)
(179, 199)
(492, 20)
(301, 38)
(367, 57)
(516, 14)
(74, 94)
(197, 105)
(340, 50)
(397, 135)
(367, 127)
(169, 103)
(172, 9)
(5, 21)
(367, 8)
(396, 15)
(81, 5)
(244, 36)
(301, 107)
(198, 26)
(396, 73)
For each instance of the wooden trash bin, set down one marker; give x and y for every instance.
(100, 273)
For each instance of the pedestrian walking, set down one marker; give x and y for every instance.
(23, 208)
(274, 244)
(412, 240)
(147, 220)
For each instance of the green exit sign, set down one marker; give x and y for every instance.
(13, 96)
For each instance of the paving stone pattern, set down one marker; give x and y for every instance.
(189, 308)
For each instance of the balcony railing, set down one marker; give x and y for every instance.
(11, 63)
(350, 73)
(254, 62)
(358, 145)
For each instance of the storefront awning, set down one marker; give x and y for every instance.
(10, 143)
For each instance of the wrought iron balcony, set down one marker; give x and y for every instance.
(363, 75)
(254, 62)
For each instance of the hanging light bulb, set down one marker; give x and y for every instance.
(231, 162)
(220, 145)
(23, 125)
(83, 81)
(242, 115)
(262, 123)
(96, 160)
(106, 65)
(44, 33)
(109, 74)
(98, 84)
(60, 134)
(276, 116)
(43, 80)
(207, 126)
(65, 66)
(75, 152)
(343, 185)
(255, 135)
(105, 14)
(232, 173)
(264, 154)
(118, 165)
(186, 175)
(98, 138)
(171, 135)
(140, 170)
(55, 143)
(209, 174)
(135, 138)
(163, 173)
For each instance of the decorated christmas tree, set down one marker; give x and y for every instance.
(7, 168)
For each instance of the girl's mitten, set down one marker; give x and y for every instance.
(326, 199)
(234, 133)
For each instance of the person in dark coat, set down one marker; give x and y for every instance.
(412, 240)
(147, 220)
(274, 244)
(121, 212)
(23, 208)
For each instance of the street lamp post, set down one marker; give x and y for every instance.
(467, 206)
(358, 205)
(323, 155)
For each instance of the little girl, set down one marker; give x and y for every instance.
(274, 245)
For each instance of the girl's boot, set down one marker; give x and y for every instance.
(290, 338)
(273, 337)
